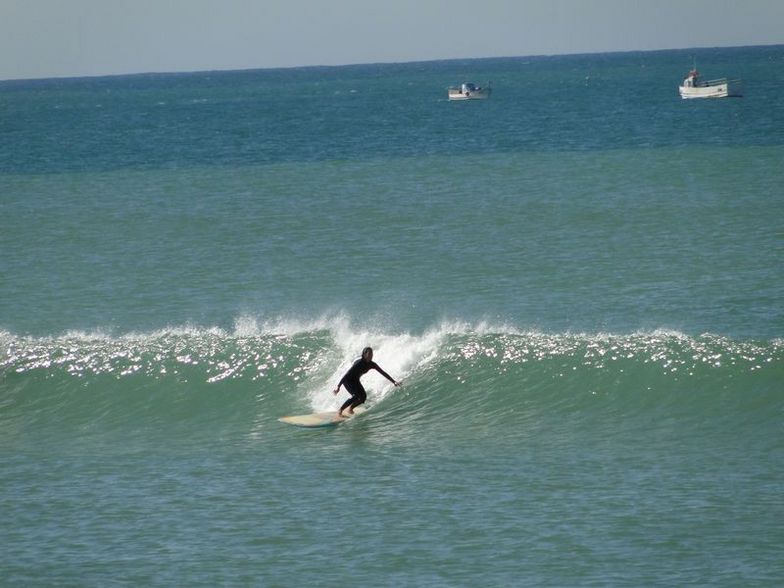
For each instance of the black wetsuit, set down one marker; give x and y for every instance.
(354, 386)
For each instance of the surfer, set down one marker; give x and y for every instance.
(352, 384)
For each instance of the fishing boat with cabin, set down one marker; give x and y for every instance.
(694, 87)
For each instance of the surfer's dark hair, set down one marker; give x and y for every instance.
(365, 350)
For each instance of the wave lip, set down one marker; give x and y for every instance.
(263, 346)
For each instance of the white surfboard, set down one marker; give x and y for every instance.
(319, 419)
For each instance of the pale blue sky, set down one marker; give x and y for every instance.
(49, 38)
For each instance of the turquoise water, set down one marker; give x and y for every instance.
(578, 281)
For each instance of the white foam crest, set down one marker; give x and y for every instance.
(349, 336)
(342, 327)
(94, 336)
(251, 326)
(398, 355)
(189, 331)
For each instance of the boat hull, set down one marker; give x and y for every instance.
(715, 90)
(473, 96)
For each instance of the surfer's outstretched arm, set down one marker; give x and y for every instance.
(386, 375)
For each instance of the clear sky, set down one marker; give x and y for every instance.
(53, 38)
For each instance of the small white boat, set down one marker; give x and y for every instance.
(468, 91)
(693, 87)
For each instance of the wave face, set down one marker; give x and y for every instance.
(459, 381)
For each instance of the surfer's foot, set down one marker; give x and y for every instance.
(340, 414)
(350, 411)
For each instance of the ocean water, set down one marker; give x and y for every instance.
(578, 281)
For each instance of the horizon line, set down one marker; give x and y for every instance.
(371, 63)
